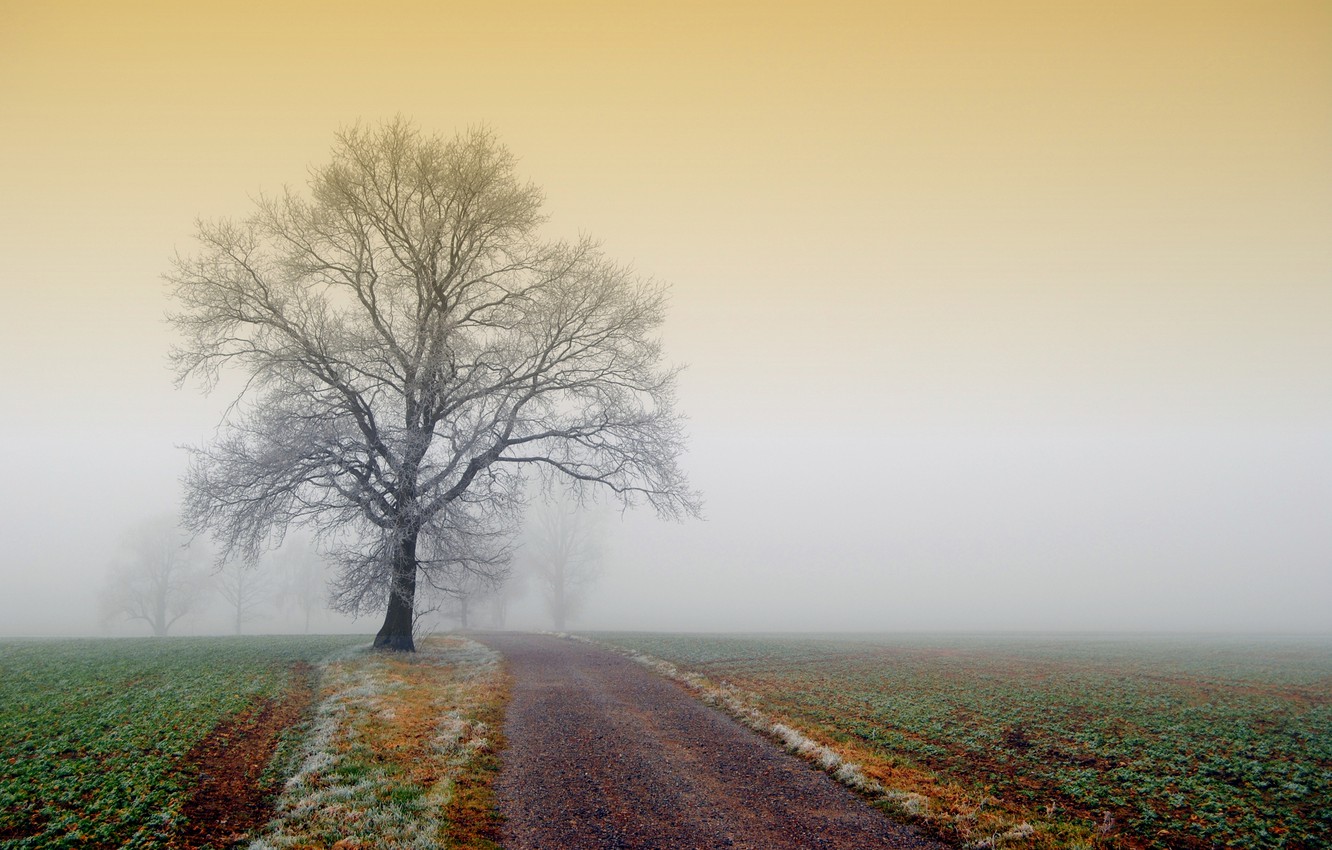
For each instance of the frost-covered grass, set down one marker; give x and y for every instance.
(400, 753)
(93, 732)
(1040, 742)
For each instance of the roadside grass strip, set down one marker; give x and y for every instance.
(400, 754)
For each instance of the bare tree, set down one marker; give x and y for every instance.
(460, 605)
(480, 564)
(155, 578)
(408, 345)
(304, 582)
(244, 589)
(476, 595)
(564, 546)
(498, 601)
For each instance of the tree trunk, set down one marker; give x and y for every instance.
(396, 633)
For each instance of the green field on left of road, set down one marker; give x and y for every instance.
(92, 732)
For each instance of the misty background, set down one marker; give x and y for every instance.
(997, 316)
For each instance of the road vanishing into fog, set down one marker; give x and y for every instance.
(604, 754)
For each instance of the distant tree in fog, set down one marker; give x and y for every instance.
(563, 547)
(245, 590)
(155, 578)
(477, 599)
(407, 345)
(497, 601)
(304, 582)
(460, 605)
(458, 598)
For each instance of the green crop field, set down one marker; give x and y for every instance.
(1095, 742)
(93, 732)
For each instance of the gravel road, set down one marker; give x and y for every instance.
(604, 754)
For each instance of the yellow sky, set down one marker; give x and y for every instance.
(912, 157)
(876, 216)
(863, 106)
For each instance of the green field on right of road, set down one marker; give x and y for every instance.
(1104, 741)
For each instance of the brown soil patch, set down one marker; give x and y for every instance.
(231, 799)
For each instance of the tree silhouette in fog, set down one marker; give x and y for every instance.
(407, 345)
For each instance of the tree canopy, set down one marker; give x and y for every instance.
(408, 344)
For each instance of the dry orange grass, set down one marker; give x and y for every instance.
(473, 818)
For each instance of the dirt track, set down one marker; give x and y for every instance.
(603, 754)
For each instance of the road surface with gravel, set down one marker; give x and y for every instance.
(605, 754)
